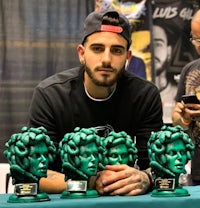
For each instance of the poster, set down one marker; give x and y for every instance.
(171, 46)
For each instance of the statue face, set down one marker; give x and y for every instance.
(176, 156)
(118, 155)
(38, 158)
(89, 159)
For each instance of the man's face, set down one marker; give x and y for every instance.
(104, 55)
(38, 158)
(196, 34)
(89, 159)
(161, 49)
(118, 155)
(176, 156)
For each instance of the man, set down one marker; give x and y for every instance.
(162, 57)
(98, 93)
(187, 115)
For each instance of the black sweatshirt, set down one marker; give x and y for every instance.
(60, 104)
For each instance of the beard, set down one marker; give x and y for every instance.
(164, 67)
(106, 81)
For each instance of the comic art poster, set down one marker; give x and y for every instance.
(171, 46)
(138, 13)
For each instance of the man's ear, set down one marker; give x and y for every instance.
(129, 55)
(81, 51)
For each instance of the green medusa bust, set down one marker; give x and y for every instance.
(81, 152)
(119, 149)
(169, 150)
(29, 154)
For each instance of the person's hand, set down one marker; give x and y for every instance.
(179, 109)
(183, 114)
(193, 110)
(122, 180)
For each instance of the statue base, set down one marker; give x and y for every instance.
(78, 189)
(90, 193)
(177, 192)
(27, 192)
(40, 197)
(168, 187)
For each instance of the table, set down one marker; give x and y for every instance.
(142, 201)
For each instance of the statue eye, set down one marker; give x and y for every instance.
(124, 155)
(85, 155)
(113, 155)
(182, 152)
(95, 155)
(36, 155)
(172, 153)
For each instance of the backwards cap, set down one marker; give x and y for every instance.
(93, 23)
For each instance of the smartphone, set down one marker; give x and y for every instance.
(190, 99)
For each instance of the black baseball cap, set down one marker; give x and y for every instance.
(93, 23)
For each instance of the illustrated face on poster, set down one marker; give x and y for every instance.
(162, 51)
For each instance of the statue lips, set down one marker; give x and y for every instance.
(93, 168)
(43, 169)
(179, 166)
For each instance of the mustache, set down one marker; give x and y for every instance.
(105, 66)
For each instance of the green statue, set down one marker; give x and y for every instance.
(119, 149)
(29, 154)
(81, 152)
(169, 150)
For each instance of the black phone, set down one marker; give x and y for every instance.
(190, 99)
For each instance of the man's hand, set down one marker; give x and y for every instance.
(122, 180)
(54, 183)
